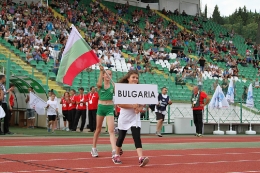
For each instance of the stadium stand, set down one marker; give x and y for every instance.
(176, 43)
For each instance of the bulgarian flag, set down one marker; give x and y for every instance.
(76, 57)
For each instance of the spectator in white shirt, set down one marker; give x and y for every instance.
(108, 62)
(117, 54)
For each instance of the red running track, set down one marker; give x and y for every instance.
(73, 141)
(181, 161)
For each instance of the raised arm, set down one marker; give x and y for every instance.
(100, 78)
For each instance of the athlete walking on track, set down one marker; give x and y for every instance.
(105, 109)
(160, 109)
(130, 119)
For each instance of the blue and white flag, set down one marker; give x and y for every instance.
(230, 93)
(218, 100)
(250, 99)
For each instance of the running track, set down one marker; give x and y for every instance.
(180, 161)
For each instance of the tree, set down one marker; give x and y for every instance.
(258, 32)
(216, 16)
(206, 11)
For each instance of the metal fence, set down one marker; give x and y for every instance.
(236, 113)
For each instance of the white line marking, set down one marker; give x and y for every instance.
(168, 155)
(42, 170)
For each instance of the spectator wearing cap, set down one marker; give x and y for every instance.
(81, 101)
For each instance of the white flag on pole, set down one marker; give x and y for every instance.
(230, 94)
(250, 99)
(38, 104)
(218, 100)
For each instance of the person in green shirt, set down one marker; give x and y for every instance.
(105, 109)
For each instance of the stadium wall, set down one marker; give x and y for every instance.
(191, 7)
(154, 6)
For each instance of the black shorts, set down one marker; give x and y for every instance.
(52, 117)
(65, 115)
(159, 116)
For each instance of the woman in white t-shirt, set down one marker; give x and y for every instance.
(130, 119)
(52, 111)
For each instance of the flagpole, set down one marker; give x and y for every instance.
(250, 131)
(250, 103)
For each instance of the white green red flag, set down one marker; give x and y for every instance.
(76, 57)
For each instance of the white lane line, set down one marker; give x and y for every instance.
(167, 155)
(156, 165)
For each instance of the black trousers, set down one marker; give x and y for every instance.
(136, 134)
(198, 120)
(82, 114)
(71, 117)
(6, 118)
(92, 117)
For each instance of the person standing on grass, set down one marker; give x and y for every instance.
(11, 100)
(105, 109)
(52, 112)
(130, 119)
(72, 109)
(160, 110)
(65, 100)
(197, 101)
(81, 101)
(3, 100)
(29, 110)
(56, 99)
(92, 98)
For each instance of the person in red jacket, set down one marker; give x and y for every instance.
(65, 101)
(72, 109)
(81, 101)
(92, 98)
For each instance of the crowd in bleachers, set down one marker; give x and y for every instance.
(126, 37)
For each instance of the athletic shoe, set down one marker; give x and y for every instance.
(158, 134)
(143, 161)
(116, 160)
(67, 129)
(199, 135)
(196, 134)
(114, 152)
(64, 128)
(49, 130)
(94, 152)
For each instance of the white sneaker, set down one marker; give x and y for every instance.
(64, 128)
(158, 134)
(94, 152)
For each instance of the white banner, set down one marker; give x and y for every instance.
(136, 94)
(250, 99)
(218, 100)
(38, 104)
(230, 93)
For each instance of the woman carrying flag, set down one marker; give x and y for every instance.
(105, 109)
